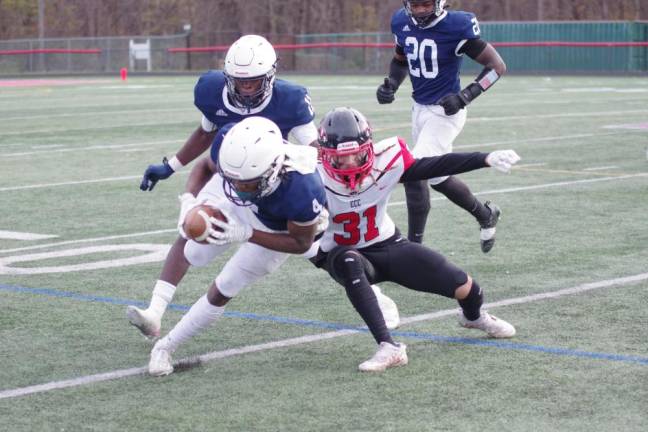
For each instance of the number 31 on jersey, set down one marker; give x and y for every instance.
(352, 225)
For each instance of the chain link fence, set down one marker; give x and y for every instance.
(370, 53)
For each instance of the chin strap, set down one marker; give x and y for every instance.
(483, 82)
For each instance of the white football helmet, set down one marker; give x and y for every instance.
(250, 60)
(251, 160)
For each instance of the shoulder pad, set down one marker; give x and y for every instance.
(384, 145)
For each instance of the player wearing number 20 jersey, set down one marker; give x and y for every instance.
(430, 43)
(433, 53)
(362, 245)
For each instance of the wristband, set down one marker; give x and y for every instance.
(175, 163)
(487, 78)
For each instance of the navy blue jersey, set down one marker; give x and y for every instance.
(299, 197)
(432, 52)
(288, 106)
(218, 140)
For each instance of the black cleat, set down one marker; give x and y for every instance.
(487, 227)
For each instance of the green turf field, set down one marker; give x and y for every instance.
(569, 270)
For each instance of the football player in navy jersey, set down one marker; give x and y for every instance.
(362, 245)
(245, 87)
(430, 44)
(275, 206)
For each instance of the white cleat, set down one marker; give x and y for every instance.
(160, 363)
(493, 326)
(387, 356)
(388, 308)
(148, 323)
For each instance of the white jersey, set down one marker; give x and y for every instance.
(360, 219)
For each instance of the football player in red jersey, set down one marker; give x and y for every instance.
(430, 44)
(362, 245)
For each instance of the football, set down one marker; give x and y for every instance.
(196, 224)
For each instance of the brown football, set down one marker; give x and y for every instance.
(196, 224)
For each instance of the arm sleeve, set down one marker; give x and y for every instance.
(207, 125)
(448, 164)
(472, 48)
(304, 134)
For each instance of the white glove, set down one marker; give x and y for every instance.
(233, 231)
(322, 221)
(502, 160)
(187, 202)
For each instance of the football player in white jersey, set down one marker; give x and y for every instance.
(244, 88)
(430, 44)
(363, 246)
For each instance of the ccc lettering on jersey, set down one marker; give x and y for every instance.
(351, 223)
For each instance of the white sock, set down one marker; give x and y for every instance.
(162, 295)
(201, 315)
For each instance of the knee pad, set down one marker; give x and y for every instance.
(345, 262)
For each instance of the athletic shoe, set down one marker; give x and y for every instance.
(487, 227)
(388, 308)
(148, 323)
(387, 356)
(493, 326)
(160, 363)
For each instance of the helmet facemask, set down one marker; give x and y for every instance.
(349, 163)
(255, 98)
(424, 19)
(245, 192)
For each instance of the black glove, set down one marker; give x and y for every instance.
(155, 173)
(451, 103)
(385, 92)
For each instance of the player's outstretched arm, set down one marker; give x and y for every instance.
(198, 142)
(457, 163)
(398, 70)
(494, 67)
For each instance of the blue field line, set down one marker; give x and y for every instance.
(176, 307)
(523, 347)
(335, 326)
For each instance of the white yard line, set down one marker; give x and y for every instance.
(14, 235)
(539, 186)
(89, 240)
(47, 152)
(600, 168)
(125, 373)
(69, 183)
(529, 140)
(526, 117)
(97, 113)
(64, 132)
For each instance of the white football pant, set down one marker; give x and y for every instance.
(433, 132)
